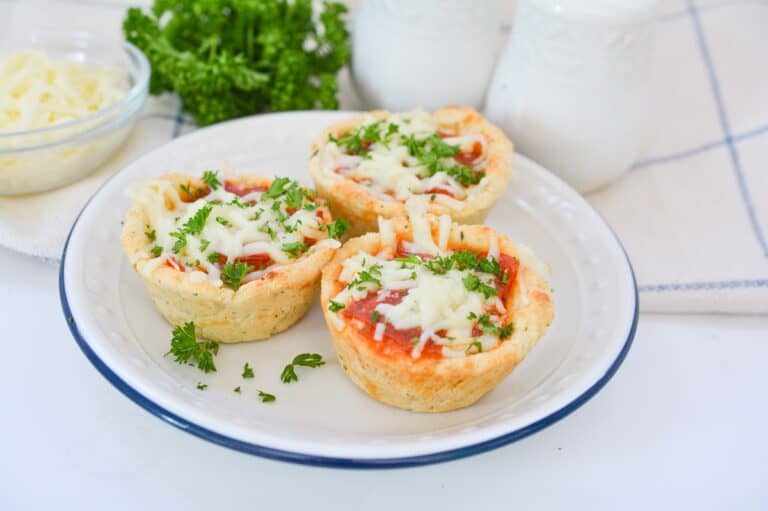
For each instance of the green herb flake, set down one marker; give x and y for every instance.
(247, 371)
(157, 250)
(202, 386)
(338, 228)
(181, 241)
(209, 178)
(477, 345)
(266, 397)
(335, 306)
(196, 223)
(186, 348)
(233, 274)
(295, 249)
(306, 360)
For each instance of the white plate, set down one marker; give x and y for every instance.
(324, 419)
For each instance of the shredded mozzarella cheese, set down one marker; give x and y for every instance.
(233, 228)
(390, 171)
(37, 91)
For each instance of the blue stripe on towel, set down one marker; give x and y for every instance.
(703, 286)
(735, 160)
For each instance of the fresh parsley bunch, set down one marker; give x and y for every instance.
(230, 58)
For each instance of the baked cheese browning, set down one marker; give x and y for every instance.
(230, 232)
(409, 153)
(448, 305)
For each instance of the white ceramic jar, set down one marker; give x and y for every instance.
(426, 53)
(572, 86)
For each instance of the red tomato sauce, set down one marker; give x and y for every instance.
(241, 189)
(196, 193)
(441, 191)
(509, 265)
(393, 340)
(468, 158)
(175, 264)
(258, 261)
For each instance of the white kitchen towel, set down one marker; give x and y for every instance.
(692, 214)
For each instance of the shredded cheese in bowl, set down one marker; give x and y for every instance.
(62, 113)
(37, 91)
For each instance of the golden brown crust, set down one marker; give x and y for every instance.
(257, 310)
(354, 202)
(442, 384)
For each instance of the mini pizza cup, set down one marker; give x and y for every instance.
(439, 384)
(362, 208)
(258, 309)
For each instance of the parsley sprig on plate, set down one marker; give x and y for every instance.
(305, 360)
(185, 348)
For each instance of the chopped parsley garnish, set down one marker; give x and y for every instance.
(204, 244)
(359, 140)
(233, 274)
(295, 249)
(157, 250)
(237, 203)
(432, 152)
(473, 283)
(276, 189)
(185, 348)
(257, 214)
(214, 257)
(223, 221)
(237, 389)
(338, 228)
(489, 328)
(196, 222)
(375, 316)
(409, 259)
(266, 397)
(306, 360)
(151, 234)
(247, 371)
(209, 178)
(181, 241)
(366, 276)
(475, 344)
(415, 341)
(265, 228)
(202, 386)
(335, 306)
(294, 196)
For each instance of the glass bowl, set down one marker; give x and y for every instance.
(46, 158)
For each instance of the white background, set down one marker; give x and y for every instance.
(681, 426)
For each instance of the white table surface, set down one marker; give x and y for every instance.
(683, 425)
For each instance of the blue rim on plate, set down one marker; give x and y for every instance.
(332, 462)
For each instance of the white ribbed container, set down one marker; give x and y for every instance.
(571, 87)
(426, 53)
